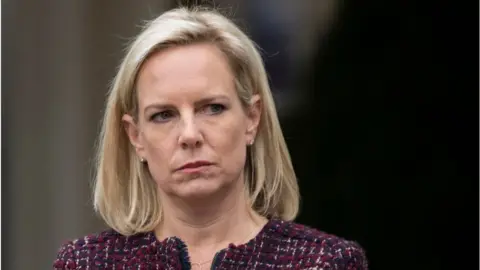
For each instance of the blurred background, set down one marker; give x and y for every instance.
(377, 99)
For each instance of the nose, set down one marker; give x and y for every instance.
(190, 135)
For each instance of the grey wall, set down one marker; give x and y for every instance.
(58, 58)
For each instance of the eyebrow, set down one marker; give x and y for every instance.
(211, 99)
(203, 101)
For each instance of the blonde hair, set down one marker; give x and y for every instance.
(125, 195)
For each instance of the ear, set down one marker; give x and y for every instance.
(133, 134)
(254, 114)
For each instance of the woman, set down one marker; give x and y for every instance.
(193, 171)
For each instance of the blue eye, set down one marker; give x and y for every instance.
(214, 108)
(162, 116)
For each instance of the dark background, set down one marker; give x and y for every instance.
(387, 152)
(378, 101)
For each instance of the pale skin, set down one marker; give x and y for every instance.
(188, 111)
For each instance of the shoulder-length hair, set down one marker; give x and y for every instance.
(125, 195)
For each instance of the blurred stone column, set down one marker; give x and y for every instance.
(58, 59)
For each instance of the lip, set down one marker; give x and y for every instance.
(194, 166)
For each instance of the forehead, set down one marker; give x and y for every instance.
(191, 69)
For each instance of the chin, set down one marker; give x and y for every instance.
(199, 188)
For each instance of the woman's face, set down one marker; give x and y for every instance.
(192, 129)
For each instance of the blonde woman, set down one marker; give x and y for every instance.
(193, 171)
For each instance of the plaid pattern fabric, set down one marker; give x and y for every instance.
(279, 245)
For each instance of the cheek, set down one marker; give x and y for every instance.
(228, 142)
(158, 141)
(159, 149)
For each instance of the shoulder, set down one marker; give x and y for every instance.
(92, 249)
(316, 249)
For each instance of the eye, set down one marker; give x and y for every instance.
(214, 109)
(163, 116)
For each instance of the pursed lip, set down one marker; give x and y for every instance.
(194, 165)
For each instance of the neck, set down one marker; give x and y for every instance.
(211, 224)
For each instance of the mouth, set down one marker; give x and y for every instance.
(195, 166)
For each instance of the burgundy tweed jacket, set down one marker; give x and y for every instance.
(279, 245)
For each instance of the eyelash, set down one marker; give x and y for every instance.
(222, 108)
(155, 115)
